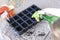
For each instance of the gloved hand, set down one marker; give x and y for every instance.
(44, 14)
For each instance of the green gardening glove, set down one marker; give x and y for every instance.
(36, 16)
(39, 16)
(50, 19)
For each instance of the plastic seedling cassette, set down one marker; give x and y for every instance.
(23, 20)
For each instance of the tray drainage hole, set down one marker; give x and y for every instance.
(25, 18)
(34, 7)
(24, 25)
(21, 15)
(19, 28)
(29, 15)
(19, 21)
(11, 20)
(25, 12)
(29, 22)
(14, 24)
(15, 17)
(29, 9)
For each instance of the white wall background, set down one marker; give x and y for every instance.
(40, 3)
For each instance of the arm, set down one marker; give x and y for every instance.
(43, 14)
(52, 11)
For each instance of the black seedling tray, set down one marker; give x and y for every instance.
(23, 21)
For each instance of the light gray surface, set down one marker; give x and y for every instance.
(40, 3)
(40, 28)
